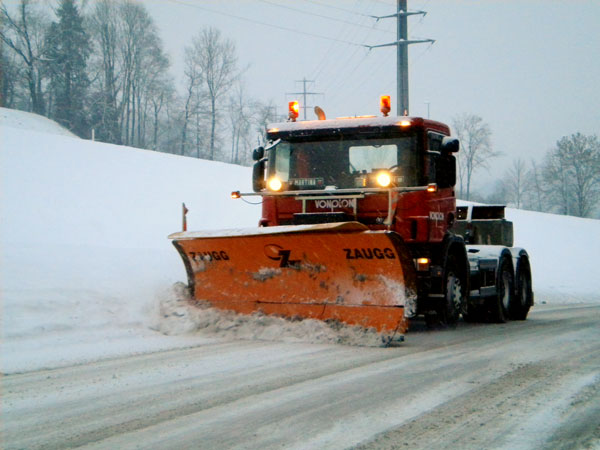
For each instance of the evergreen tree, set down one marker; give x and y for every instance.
(68, 48)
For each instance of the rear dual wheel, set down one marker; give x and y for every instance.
(524, 297)
(502, 303)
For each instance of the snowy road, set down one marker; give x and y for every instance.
(526, 384)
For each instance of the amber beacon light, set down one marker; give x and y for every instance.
(294, 109)
(385, 105)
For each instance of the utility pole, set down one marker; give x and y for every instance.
(402, 44)
(304, 93)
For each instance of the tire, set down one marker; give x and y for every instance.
(524, 296)
(451, 305)
(501, 304)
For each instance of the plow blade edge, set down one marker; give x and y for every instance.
(337, 271)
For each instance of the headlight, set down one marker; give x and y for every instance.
(383, 179)
(275, 184)
(423, 264)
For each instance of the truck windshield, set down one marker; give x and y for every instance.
(343, 163)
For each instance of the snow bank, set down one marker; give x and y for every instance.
(87, 269)
(564, 254)
(84, 237)
(29, 121)
(64, 190)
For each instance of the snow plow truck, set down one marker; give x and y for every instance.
(360, 225)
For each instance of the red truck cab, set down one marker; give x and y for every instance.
(340, 159)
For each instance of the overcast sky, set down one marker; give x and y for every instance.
(531, 69)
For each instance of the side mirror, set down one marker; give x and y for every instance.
(258, 153)
(258, 174)
(446, 171)
(442, 169)
(449, 145)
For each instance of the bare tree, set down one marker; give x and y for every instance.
(536, 183)
(516, 182)
(572, 174)
(476, 148)
(556, 180)
(24, 34)
(238, 109)
(193, 79)
(104, 31)
(131, 73)
(152, 80)
(265, 113)
(215, 58)
(500, 194)
(160, 94)
(10, 73)
(135, 23)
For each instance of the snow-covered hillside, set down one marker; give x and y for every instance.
(85, 254)
(31, 122)
(84, 241)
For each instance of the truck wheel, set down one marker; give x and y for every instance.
(451, 305)
(522, 303)
(502, 302)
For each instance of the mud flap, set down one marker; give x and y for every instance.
(340, 271)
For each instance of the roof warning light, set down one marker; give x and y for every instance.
(385, 105)
(294, 110)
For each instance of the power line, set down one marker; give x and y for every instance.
(318, 15)
(342, 62)
(337, 82)
(337, 8)
(382, 2)
(266, 24)
(346, 68)
(327, 59)
(351, 75)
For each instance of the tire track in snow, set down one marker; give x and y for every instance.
(518, 410)
(268, 394)
(188, 381)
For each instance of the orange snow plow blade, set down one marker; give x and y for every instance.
(339, 271)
